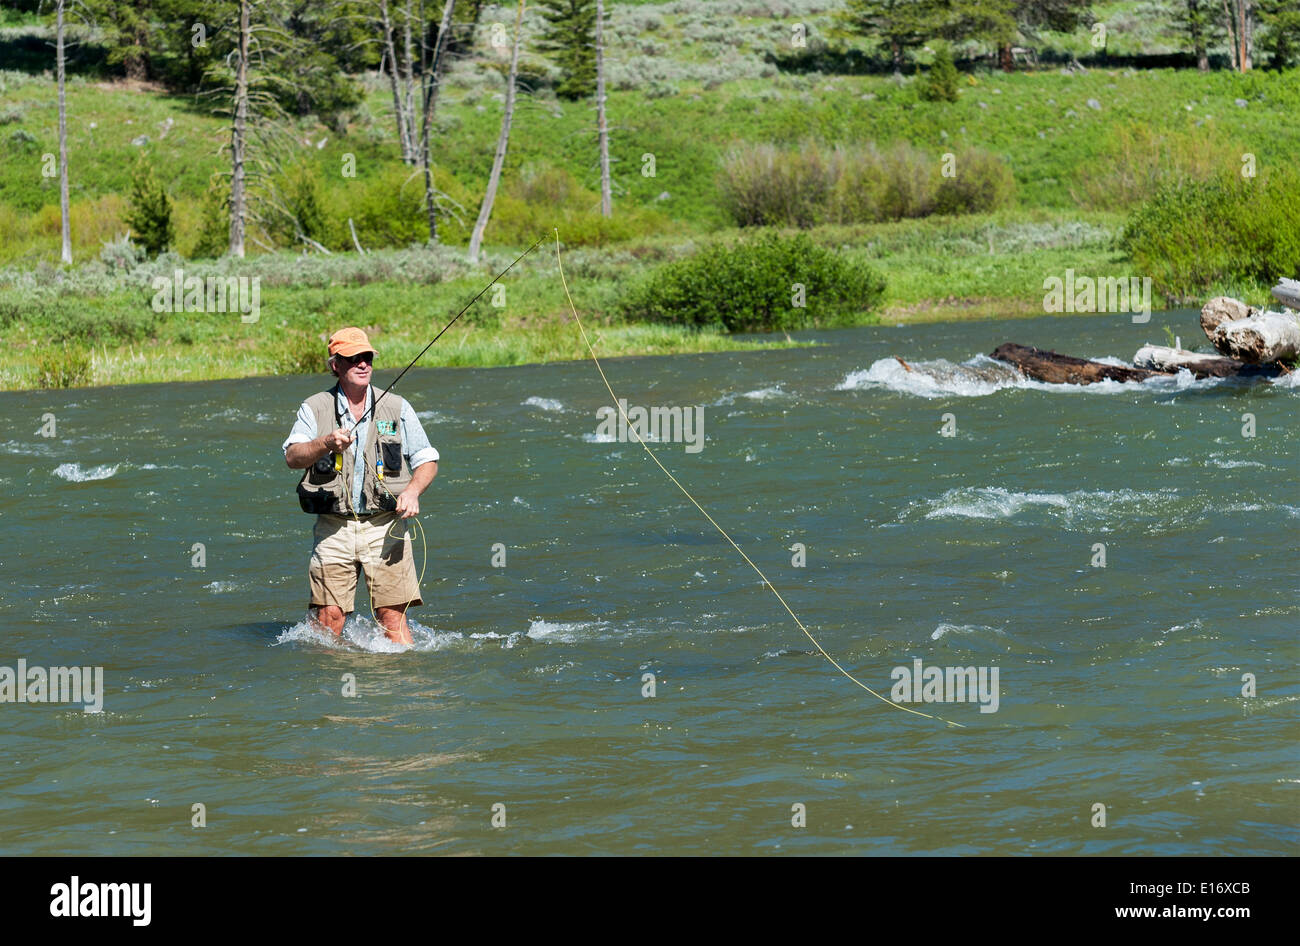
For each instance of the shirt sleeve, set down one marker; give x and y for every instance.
(304, 428)
(416, 444)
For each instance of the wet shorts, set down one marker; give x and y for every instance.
(342, 546)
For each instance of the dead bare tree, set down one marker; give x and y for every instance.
(503, 141)
(431, 67)
(66, 253)
(238, 133)
(606, 201)
(389, 58)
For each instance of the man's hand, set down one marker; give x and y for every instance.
(338, 441)
(408, 503)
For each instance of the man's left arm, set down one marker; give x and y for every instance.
(423, 460)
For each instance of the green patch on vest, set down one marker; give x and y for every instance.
(386, 428)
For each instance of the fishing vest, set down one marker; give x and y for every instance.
(326, 491)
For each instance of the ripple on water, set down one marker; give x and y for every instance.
(73, 472)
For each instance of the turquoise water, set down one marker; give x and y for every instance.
(1118, 686)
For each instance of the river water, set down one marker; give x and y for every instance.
(524, 700)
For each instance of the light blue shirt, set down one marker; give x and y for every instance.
(415, 444)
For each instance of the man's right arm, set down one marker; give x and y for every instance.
(304, 447)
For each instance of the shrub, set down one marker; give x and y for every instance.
(749, 287)
(305, 203)
(62, 367)
(150, 213)
(981, 183)
(1193, 236)
(214, 221)
(761, 185)
(940, 83)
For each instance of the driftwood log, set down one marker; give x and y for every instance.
(1247, 334)
(1063, 369)
(1054, 368)
(1287, 292)
(1169, 360)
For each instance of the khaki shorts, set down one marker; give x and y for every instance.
(341, 546)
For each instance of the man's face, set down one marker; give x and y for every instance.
(355, 369)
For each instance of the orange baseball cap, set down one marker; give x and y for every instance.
(349, 341)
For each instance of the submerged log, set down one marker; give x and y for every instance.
(1063, 369)
(1169, 360)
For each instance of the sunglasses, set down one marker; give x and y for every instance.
(367, 357)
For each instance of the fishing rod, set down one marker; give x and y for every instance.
(393, 384)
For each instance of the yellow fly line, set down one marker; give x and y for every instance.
(632, 427)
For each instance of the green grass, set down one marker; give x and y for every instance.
(936, 269)
(1039, 123)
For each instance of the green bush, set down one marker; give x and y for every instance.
(305, 204)
(150, 213)
(981, 183)
(751, 287)
(1193, 236)
(62, 368)
(940, 83)
(69, 319)
(214, 223)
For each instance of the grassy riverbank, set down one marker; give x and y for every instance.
(93, 325)
(97, 325)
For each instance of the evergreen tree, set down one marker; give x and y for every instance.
(570, 36)
(940, 84)
(1199, 20)
(214, 220)
(150, 212)
(1281, 20)
(899, 25)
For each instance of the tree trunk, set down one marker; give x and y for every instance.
(409, 110)
(432, 80)
(1287, 292)
(1259, 339)
(1240, 17)
(238, 133)
(485, 212)
(896, 49)
(1005, 59)
(1063, 369)
(606, 201)
(390, 55)
(66, 251)
(1162, 358)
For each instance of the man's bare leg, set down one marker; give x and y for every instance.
(330, 617)
(394, 621)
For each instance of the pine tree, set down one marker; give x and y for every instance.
(899, 25)
(940, 84)
(1281, 20)
(150, 212)
(214, 220)
(570, 35)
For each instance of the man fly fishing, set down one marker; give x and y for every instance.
(366, 461)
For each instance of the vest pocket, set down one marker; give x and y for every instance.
(392, 453)
(318, 490)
